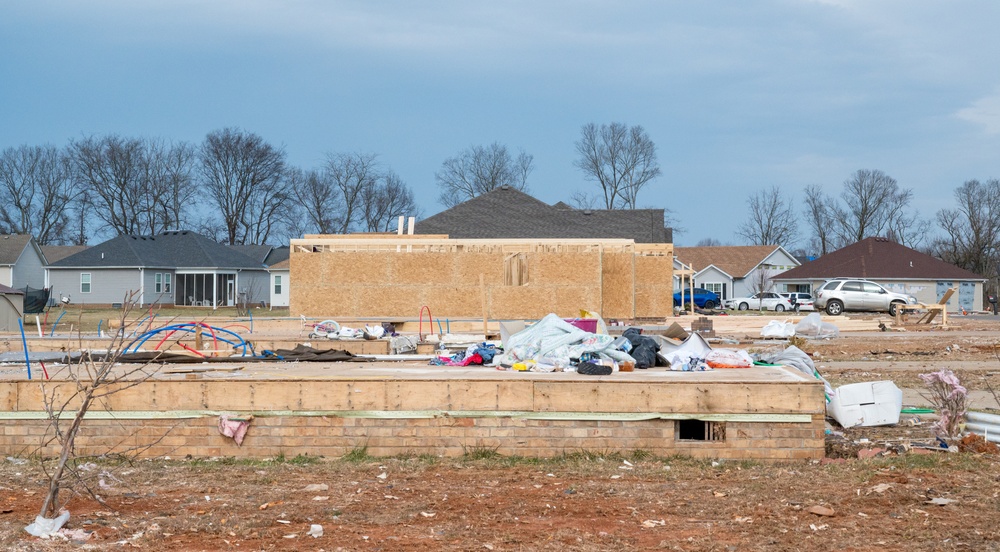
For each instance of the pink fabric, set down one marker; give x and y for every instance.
(237, 429)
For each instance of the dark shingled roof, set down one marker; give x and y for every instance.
(7, 290)
(55, 253)
(509, 213)
(11, 247)
(255, 252)
(878, 258)
(277, 255)
(176, 249)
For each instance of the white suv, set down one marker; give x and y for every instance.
(855, 294)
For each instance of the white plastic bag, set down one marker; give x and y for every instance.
(44, 527)
(778, 329)
(813, 326)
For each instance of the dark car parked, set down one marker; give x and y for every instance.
(703, 298)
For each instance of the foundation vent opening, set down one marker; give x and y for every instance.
(700, 430)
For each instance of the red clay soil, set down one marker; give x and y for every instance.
(577, 503)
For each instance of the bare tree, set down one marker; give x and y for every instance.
(246, 179)
(353, 192)
(136, 186)
(320, 200)
(90, 381)
(819, 209)
(110, 168)
(384, 203)
(170, 169)
(351, 174)
(972, 229)
(621, 159)
(480, 169)
(708, 242)
(584, 200)
(874, 205)
(772, 219)
(36, 192)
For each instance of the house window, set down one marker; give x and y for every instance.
(715, 287)
(277, 284)
(84, 282)
(158, 283)
(166, 282)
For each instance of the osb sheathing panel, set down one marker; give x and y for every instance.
(581, 297)
(453, 301)
(564, 268)
(468, 266)
(653, 286)
(421, 269)
(618, 282)
(531, 301)
(365, 284)
(362, 267)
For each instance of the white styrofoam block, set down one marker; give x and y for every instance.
(866, 404)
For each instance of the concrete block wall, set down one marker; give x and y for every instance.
(331, 437)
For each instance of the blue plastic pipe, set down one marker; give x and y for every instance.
(24, 341)
(56, 324)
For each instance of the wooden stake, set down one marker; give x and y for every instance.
(482, 288)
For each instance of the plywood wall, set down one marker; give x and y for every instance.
(616, 281)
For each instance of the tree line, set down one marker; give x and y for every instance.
(234, 187)
(872, 203)
(237, 188)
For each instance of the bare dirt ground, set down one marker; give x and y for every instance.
(907, 496)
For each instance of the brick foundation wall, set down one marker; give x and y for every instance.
(333, 436)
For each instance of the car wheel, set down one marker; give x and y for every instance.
(892, 308)
(709, 305)
(779, 308)
(744, 306)
(834, 308)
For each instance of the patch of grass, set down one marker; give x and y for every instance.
(357, 455)
(481, 453)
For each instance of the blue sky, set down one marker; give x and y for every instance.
(737, 96)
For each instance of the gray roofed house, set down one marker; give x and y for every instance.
(508, 213)
(895, 266)
(276, 261)
(176, 267)
(22, 262)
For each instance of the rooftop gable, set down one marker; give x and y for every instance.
(735, 260)
(878, 258)
(55, 253)
(11, 247)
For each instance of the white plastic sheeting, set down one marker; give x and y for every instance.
(554, 341)
(813, 326)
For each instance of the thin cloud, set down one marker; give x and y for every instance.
(984, 112)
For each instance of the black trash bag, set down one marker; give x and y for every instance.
(643, 348)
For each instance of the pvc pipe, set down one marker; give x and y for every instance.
(250, 312)
(39, 325)
(989, 432)
(983, 417)
(99, 322)
(24, 341)
(56, 323)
